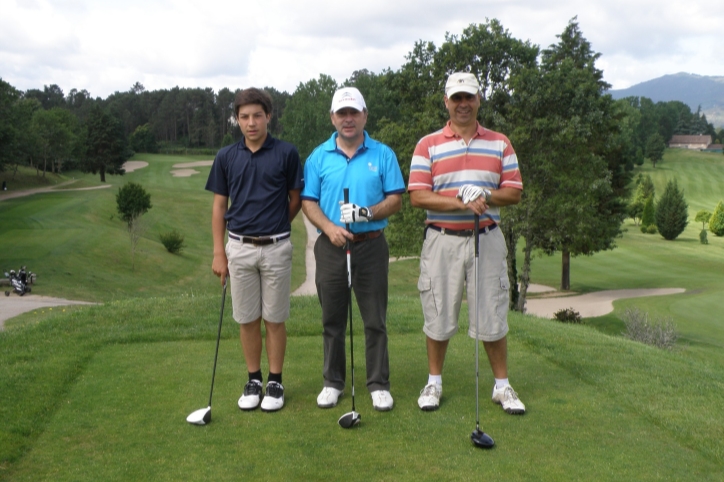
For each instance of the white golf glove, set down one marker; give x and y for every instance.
(469, 192)
(351, 213)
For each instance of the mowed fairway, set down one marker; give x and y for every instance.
(102, 392)
(80, 249)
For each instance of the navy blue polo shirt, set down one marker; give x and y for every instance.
(258, 185)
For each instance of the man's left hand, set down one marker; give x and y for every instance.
(351, 213)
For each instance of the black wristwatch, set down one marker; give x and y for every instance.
(366, 213)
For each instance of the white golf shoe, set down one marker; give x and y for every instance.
(430, 397)
(382, 400)
(508, 399)
(273, 398)
(328, 397)
(252, 395)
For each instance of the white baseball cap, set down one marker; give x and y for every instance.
(461, 82)
(348, 97)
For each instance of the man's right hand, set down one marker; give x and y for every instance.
(338, 235)
(220, 266)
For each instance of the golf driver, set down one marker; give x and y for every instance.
(202, 416)
(350, 419)
(479, 438)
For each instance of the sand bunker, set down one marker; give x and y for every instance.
(131, 166)
(182, 169)
(184, 172)
(589, 305)
(184, 165)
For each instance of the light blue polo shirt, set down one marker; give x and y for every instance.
(371, 175)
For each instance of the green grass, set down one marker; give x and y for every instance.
(101, 392)
(80, 248)
(113, 408)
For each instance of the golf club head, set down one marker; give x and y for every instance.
(201, 416)
(349, 420)
(481, 439)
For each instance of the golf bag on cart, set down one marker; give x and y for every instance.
(17, 282)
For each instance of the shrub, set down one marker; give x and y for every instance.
(651, 229)
(660, 333)
(173, 241)
(716, 223)
(568, 315)
(702, 237)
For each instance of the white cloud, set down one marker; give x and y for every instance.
(107, 46)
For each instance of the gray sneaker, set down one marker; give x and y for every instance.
(508, 399)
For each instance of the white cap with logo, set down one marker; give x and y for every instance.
(348, 97)
(461, 82)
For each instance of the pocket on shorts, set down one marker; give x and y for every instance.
(504, 296)
(427, 297)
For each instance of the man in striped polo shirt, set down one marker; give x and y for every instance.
(459, 171)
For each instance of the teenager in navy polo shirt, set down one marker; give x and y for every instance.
(369, 169)
(262, 177)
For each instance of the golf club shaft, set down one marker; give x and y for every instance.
(349, 300)
(218, 338)
(476, 234)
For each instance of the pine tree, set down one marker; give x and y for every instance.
(647, 218)
(671, 212)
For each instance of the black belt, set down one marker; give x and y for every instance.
(462, 232)
(365, 236)
(259, 241)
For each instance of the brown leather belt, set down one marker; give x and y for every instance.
(365, 236)
(462, 232)
(259, 241)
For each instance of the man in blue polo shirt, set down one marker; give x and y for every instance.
(369, 169)
(263, 178)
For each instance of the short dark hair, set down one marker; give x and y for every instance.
(252, 95)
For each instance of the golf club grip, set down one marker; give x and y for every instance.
(476, 232)
(346, 195)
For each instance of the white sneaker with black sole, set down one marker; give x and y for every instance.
(430, 397)
(273, 398)
(328, 397)
(252, 395)
(508, 399)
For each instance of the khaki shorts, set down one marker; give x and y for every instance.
(447, 266)
(261, 278)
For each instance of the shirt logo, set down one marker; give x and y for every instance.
(371, 167)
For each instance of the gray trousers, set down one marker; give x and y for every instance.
(370, 266)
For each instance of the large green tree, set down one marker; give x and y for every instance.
(655, 147)
(306, 121)
(106, 144)
(55, 132)
(566, 133)
(487, 50)
(9, 97)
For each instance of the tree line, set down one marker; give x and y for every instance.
(577, 146)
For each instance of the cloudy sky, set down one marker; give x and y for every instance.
(107, 45)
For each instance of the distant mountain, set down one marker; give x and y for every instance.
(691, 89)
